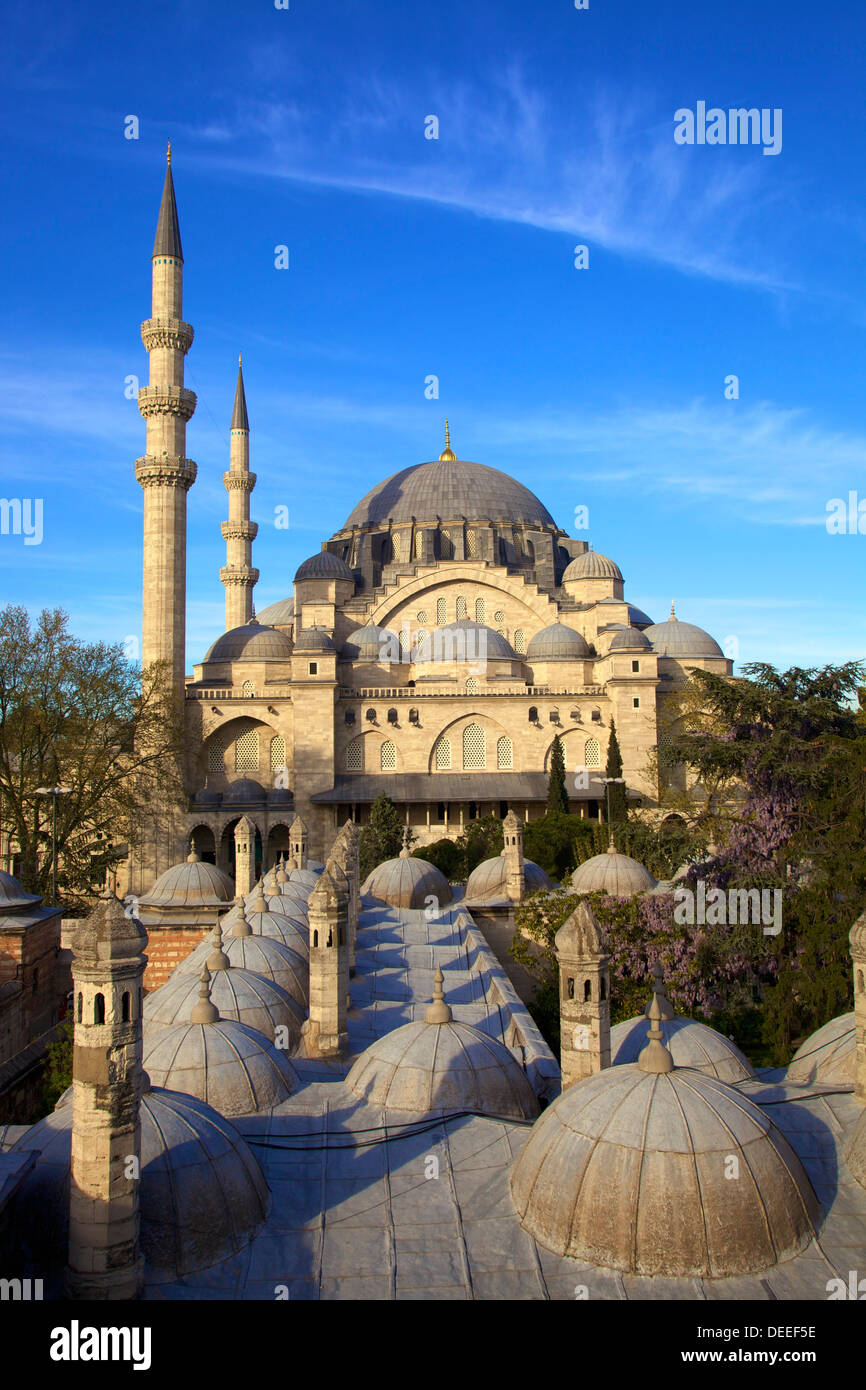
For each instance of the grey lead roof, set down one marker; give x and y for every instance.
(167, 240)
(450, 490)
(240, 419)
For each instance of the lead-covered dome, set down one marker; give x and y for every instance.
(314, 639)
(448, 489)
(488, 879)
(251, 642)
(407, 882)
(690, 1043)
(13, 898)
(279, 614)
(557, 643)
(325, 565)
(828, 1055)
(629, 639)
(616, 874)
(629, 1169)
(463, 640)
(239, 994)
(677, 639)
(194, 883)
(372, 643)
(592, 565)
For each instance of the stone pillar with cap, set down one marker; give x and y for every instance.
(324, 1034)
(298, 844)
(108, 964)
(342, 852)
(584, 996)
(512, 850)
(857, 939)
(245, 867)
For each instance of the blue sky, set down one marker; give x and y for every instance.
(410, 257)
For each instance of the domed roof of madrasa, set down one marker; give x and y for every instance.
(314, 639)
(194, 883)
(616, 874)
(828, 1055)
(226, 1064)
(855, 1151)
(237, 993)
(690, 1043)
(202, 1193)
(488, 879)
(267, 956)
(442, 1065)
(627, 1170)
(252, 641)
(407, 882)
(13, 897)
(279, 614)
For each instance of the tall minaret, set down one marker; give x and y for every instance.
(239, 532)
(165, 473)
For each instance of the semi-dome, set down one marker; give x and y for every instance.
(407, 882)
(828, 1055)
(13, 898)
(677, 639)
(372, 643)
(636, 617)
(489, 878)
(279, 614)
(449, 489)
(628, 639)
(314, 639)
(629, 1169)
(194, 883)
(245, 791)
(616, 874)
(442, 1065)
(202, 1195)
(557, 643)
(325, 565)
(251, 642)
(224, 1063)
(463, 640)
(592, 565)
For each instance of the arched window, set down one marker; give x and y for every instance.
(355, 756)
(587, 991)
(388, 756)
(80, 1009)
(392, 716)
(278, 752)
(471, 686)
(124, 1007)
(471, 544)
(442, 755)
(503, 552)
(602, 989)
(99, 1008)
(247, 752)
(216, 752)
(396, 544)
(504, 753)
(533, 714)
(419, 545)
(441, 612)
(248, 688)
(461, 607)
(520, 642)
(474, 746)
(315, 938)
(592, 753)
(530, 552)
(422, 617)
(446, 545)
(480, 611)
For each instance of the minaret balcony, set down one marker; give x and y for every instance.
(167, 333)
(239, 530)
(244, 575)
(241, 482)
(169, 470)
(166, 400)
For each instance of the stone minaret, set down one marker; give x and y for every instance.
(107, 970)
(245, 867)
(325, 1032)
(165, 473)
(584, 996)
(512, 837)
(238, 576)
(858, 952)
(298, 844)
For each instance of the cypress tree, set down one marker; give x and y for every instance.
(557, 794)
(616, 798)
(382, 838)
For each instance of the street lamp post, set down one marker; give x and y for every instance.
(53, 792)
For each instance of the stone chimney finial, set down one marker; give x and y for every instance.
(204, 1010)
(192, 857)
(660, 992)
(405, 852)
(218, 960)
(655, 1057)
(438, 1011)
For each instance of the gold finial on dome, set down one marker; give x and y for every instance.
(673, 617)
(168, 155)
(448, 455)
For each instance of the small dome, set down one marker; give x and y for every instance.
(237, 993)
(613, 873)
(407, 882)
(226, 1064)
(592, 565)
(488, 879)
(313, 639)
(281, 920)
(279, 614)
(442, 1065)
(677, 639)
(463, 640)
(325, 565)
(372, 643)
(272, 960)
(306, 877)
(637, 617)
(205, 796)
(244, 792)
(202, 1194)
(627, 1169)
(629, 638)
(280, 796)
(194, 883)
(13, 897)
(690, 1043)
(251, 642)
(557, 643)
(828, 1055)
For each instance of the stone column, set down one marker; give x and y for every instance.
(107, 969)
(512, 836)
(584, 996)
(245, 869)
(324, 1032)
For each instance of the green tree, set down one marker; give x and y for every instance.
(447, 857)
(552, 840)
(616, 802)
(57, 1073)
(382, 837)
(557, 793)
(81, 715)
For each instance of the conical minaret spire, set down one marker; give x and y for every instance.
(238, 576)
(164, 472)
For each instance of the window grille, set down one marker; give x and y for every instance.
(442, 755)
(480, 611)
(472, 544)
(248, 688)
(355, 756)
(247, 752)
(592, 753)
(520, 642)
(472, 686)
(388, 756)
(504, 753)
(441, 612)
(278, 752)
(474, 747)
(461, 607)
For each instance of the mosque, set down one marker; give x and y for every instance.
(435, 646)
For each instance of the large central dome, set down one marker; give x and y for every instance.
(449, 489)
